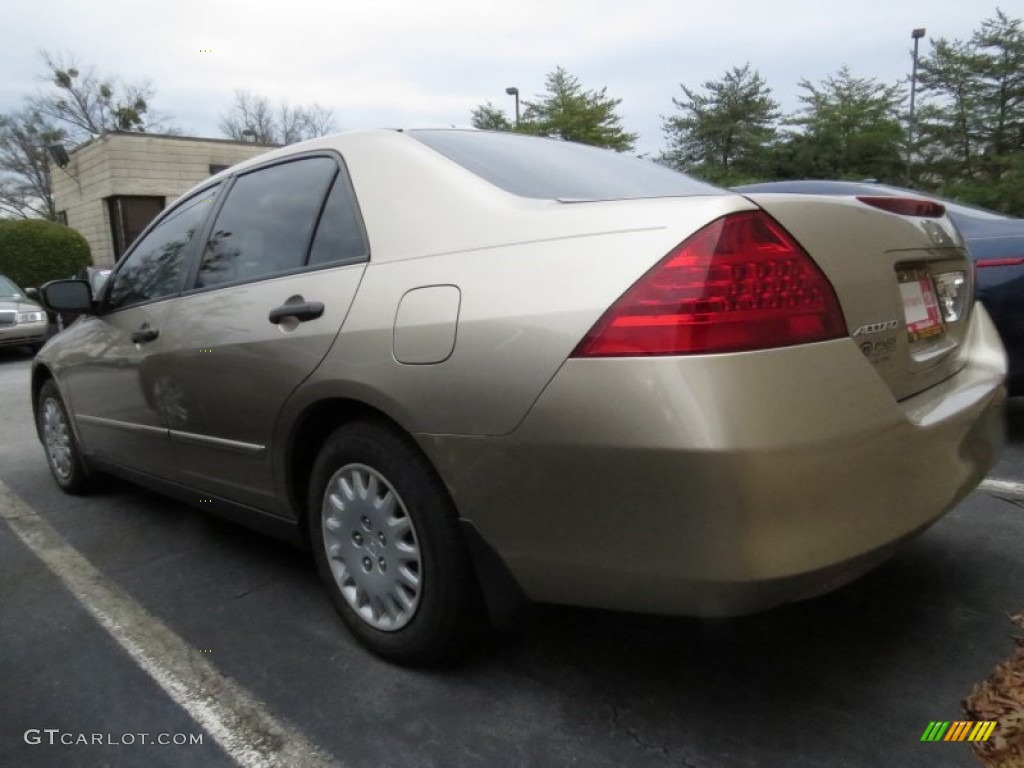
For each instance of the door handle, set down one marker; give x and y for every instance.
(301, 311)
(145, 334)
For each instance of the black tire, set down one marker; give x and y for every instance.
(64, 457)
(448, 611)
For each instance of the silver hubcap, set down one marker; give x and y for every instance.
(372, 547)
(57, 438)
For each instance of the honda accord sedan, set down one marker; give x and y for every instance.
(468, 368)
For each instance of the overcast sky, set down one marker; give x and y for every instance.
(395, 63)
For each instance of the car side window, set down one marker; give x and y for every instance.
(155, 265)
(266, 223)
(339, 237)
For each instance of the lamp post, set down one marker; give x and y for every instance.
(513, 91)
(916, 34)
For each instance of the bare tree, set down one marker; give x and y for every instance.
(25, 188)
(291, 124)
(319, 120)
(251, 118)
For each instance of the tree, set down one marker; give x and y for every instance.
(566, 111)
(569, 112)
(488, 117)
(252, 118)
(724, 133)
(849, 129)
(319, 120)
(249, 117)
(25, 187)
(972, 125)
(79, 104)
(1000, 43)
(85, 104)
(949, 130)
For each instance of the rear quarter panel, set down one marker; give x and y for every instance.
(524, 307)
(533, 276)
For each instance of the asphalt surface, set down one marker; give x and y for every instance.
(849, 679)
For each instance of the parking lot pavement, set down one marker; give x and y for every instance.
(58, 665)
(849, 679)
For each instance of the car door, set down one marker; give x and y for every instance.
(116, 383)
(271, 289)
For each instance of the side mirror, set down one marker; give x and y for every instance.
(67, 296)
(32, 293)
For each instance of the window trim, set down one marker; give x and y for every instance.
(104, 307)
(115, 217)
(341, 176)
(190, 288)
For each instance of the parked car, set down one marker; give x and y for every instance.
(23, 321)
(469, 367)
(994, 240)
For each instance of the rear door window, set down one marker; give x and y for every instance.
(266, 224)
(339, 236)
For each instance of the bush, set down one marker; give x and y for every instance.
(33, 251)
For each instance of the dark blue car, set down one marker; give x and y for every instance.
(995, 242)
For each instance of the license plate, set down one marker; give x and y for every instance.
(920, 306)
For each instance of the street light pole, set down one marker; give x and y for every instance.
(916, 34)
(513, 91)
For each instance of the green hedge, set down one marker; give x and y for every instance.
(33, 251)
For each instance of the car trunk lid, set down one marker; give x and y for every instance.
(904, 282)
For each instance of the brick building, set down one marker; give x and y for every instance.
(113, 185)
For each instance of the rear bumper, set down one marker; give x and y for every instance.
(724, 484)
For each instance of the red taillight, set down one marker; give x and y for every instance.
(1010, 262)
(906, 206)
(740, 283)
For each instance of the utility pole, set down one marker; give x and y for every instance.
(916, 34)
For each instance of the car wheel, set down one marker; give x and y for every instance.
(388, 547)
(62, 452)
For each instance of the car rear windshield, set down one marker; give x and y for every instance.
(551, 169)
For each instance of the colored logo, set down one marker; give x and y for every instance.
(959, 730)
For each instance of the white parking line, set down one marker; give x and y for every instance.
(1006, 488)
(238, 721)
